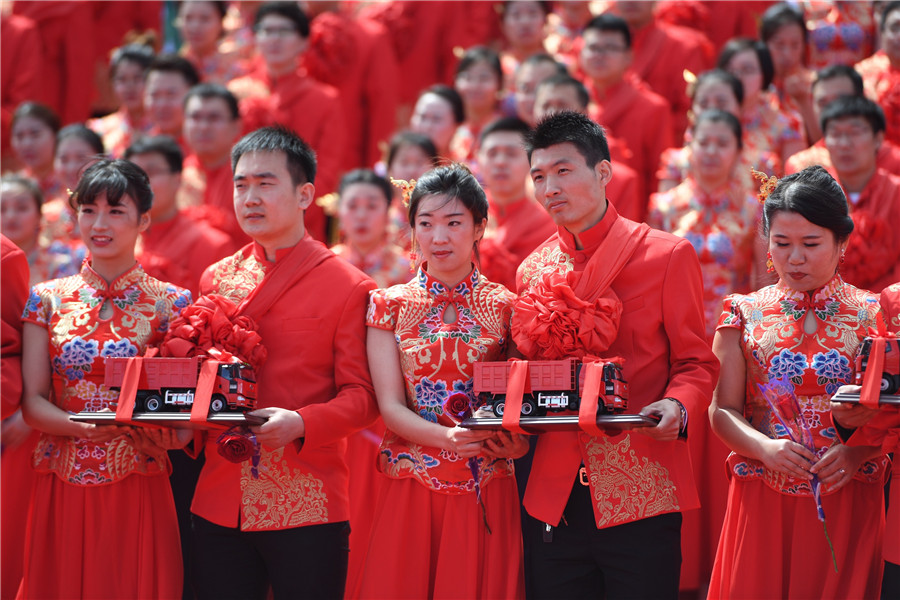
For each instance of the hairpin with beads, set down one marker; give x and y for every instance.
(406, 188)
(766, 184)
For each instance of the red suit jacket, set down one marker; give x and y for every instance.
(662, 338)
(13, 294)
(20, 64)
(315, 334)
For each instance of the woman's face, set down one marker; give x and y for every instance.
(445, 233)
(479, 87)
(363, 213)
(523, 24)
(128, 85)
(33, 142)
(433, 116)
(715, 94)
(410, 162)
(786, 47)
(745, 66)
(20, 217)
(200, 25)
(72, 155)
(805, 255)
(714, 151)
(110, 231)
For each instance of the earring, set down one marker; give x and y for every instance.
(770, 265)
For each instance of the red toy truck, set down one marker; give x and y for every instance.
(170, 384)
(890, 375)
(555, 386)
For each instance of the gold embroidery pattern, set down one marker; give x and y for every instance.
(283, 496)
(236, 276)
(624, 486)
(548, 259)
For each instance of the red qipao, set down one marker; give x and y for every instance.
(882, 82)
(100, 504)
(661, 338)
(772, 543)
(430, 538)
(310, 309)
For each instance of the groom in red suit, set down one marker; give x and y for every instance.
(605, 511)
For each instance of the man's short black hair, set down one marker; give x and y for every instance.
(854, 106)
(566, 80)
(301, 159)
(369, 177)
(288, 10)
(511, 124)
(206, 91)
(140, 54)
(835, 71)
(163, 145)
(172, 63)
(573, 128)
(612, 23)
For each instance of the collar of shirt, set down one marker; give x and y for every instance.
(433, 286)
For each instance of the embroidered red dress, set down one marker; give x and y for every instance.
(100, 504)
(772, 543)
(430, 538)
(387, 264)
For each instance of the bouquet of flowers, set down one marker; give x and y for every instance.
(779, 395)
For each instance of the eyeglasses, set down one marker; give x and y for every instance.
(275, 32)
(852, 134)
(210, 119)
(605, 50)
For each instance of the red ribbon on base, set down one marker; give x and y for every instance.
(517, 384)
(128, 392)
(203, 392)
(587, 410)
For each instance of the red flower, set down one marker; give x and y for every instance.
(457, 406)
(550, 322)
(235, 447)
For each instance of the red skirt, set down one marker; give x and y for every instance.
(16, 479)
(118, 540)
(431, 545)
(773, 545)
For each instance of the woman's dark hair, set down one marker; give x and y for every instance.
(886, 12)
(411, 138)
(117, 179)
(854, 106)
(456, 182)
(452, 97)
(289, 10)
(38, 111)
(738, 45)
(546, 6)
(477, 54)
(816, 196)
(719, 76)
(717, 115)
(30, 185)
(778, 16)
(138, 54)
(221, 6)
(79, 131)
(369, 177)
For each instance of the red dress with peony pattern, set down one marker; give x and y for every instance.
(772, 543)
(96, 502)
(428, 511)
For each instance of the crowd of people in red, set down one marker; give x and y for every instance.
(156, 153)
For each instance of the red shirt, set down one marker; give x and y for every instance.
(316, 366)
(208, 194)
(13, 293)
(662, 338)
(887, 158)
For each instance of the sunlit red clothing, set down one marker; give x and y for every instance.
(118, 131)
(387, 264)
(887, 158)
(20, 60)
(882, 83)
(118, 475)
(520, 227)
(840, 33)
(314, 334)
(14, 292)
(872, 259)
(721, 227)
(675, 164)
(771, 524)
(768, 126)
(59, 223)
(207, 194)
(219, 67)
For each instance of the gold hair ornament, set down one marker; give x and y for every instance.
(766, 184)
(329, 203)
(406, 188)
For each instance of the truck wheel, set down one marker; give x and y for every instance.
(217, 404)
(528, 408)
(153, 403)
(887, 384)
(499, 408)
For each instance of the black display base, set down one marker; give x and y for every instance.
(170, 419)
(883, 399)
(568, 422)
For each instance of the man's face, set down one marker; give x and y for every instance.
(572, 193)
(852, 144)
(828, 90)
(555, 98)
(209, 128)
(528, 77)
(163, 182)
(890, 35)
(268, 206)
(504, 165)
(279, 42)
(604, 55)
(163, 100)
(636, 13)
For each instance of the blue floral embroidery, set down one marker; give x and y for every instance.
(787, 364)
(720, 247)
(832, 369)
(79, 352)
(33, 303)
(122, 348)
(430, 396)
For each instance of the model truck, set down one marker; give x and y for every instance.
(555, 386)
(890, 371)
(171, 383)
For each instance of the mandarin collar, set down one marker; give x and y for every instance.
(590, 238)
(119, 284)
(260, 253)
(502, 213)
(435, 287)
(829, 290)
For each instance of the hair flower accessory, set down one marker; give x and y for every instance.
(406, 188)
(766, 184)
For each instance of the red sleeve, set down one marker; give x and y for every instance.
(13, 295)
(354, 405)
(693, 368)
